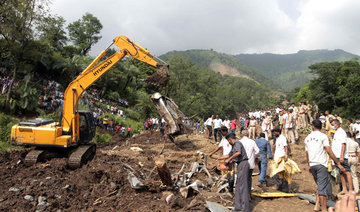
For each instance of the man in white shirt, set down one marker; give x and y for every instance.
(226, 122)
(280, 149)
(316, 146)
(339, 149)
(356, 130)
(226, 147)
(252, 151)
(208, 124)
(353, 151)
(217, 124)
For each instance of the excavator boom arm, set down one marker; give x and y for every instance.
(70, 119)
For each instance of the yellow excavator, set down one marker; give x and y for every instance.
(75, 130)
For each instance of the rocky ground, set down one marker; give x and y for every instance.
(103, 185)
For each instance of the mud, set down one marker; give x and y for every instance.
(102, 184)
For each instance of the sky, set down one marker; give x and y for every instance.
(227, 26)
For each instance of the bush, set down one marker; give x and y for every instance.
(102, 138)
(6, 122)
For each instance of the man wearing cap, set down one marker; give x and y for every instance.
(252, 127)
(316, 146)
(238, 155)
(265, 149)
(226, 147)
(280, 149)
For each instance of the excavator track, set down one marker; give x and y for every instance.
(33, 157)
(81, 155)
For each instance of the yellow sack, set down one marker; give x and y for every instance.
(285, 170)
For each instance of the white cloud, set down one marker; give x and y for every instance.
(230, 26)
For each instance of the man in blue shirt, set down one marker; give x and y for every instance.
(265, 149)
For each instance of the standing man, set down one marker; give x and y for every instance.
(226, 122)
(280, 149)
(252, 152)
(353, 151)
(302, 111)
(238, 155)
(252, 127)
(217, 124)
(356, 130)
(226, 147)
(309, 110)
(208, 124)
(265, 149)
(233, 125)
(289, 126)
(339, 148)
(315, 109)
(266, 125)
(328, 118)
(316, 146)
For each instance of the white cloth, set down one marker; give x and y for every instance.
(356, 127)
(217, 123)
(314, 145)
(339, 139)
(226, 123)
(224, 143)
(281, 143)
(251, 149)
(289, 121)
(208, 122)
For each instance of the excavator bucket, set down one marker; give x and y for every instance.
(159, 78)
(170, 112)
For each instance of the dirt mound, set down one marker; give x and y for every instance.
(102, 184)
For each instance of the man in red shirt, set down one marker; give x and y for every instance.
(233, 125)
(128, 132)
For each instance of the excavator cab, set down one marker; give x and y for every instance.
(87, 127)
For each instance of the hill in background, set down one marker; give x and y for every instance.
(291, 70)
(222, 63)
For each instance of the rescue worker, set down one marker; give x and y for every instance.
(238, 155)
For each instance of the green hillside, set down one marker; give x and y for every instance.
(223, 63)
(290, 70)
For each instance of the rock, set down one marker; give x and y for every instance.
(29, 198)
(66, 187)
(48, 178)
(57, 196)
(59, 210)
(41, 199)
(41, 184)
(112, 185)
(42, 206)
(15, 190)
(19, 161)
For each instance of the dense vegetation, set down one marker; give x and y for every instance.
(291, 70)
(204, 58)
(335, 87)
(204, 92)
(37, 46)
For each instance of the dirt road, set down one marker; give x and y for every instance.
(102, 184)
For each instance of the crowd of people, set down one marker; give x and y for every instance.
(331, 148)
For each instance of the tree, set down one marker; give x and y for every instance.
(16, 30)
(51, 30)
(84, 33)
